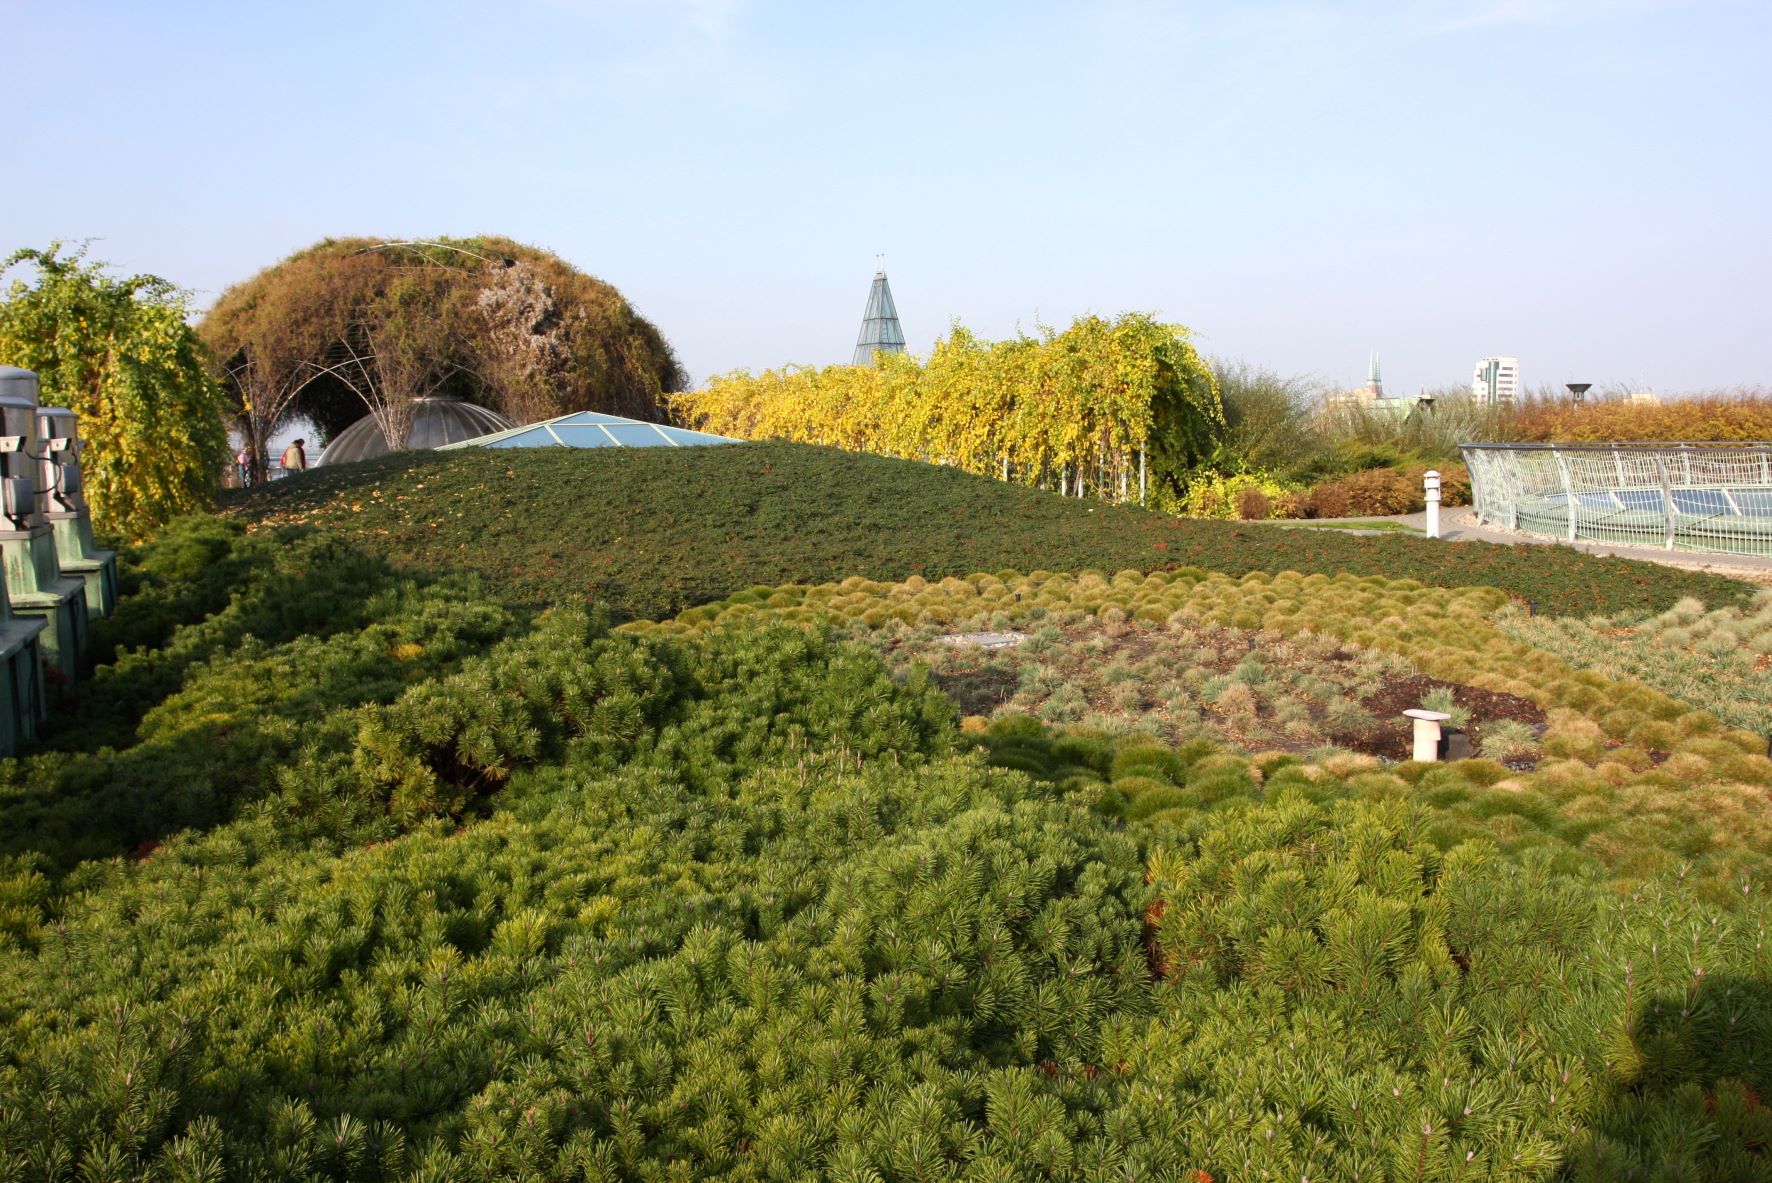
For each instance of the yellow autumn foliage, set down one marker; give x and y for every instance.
(1117, 409)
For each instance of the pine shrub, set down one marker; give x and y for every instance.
(398, 883)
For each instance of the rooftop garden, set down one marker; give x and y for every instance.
(652, 816)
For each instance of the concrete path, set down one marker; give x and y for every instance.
(1459, 525)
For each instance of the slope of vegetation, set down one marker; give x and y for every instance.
(1720, 660)
(378, 880)
(1622, 756)
(652, 531)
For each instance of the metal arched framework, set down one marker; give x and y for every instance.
(435, 422)
(1710, 496)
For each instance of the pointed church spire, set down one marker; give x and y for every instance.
(1373, 379)
(880, 330)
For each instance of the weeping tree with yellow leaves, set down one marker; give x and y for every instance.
(1119, 409)
(119, 352)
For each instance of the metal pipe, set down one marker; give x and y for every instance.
(1568, 490)
(1667, 501)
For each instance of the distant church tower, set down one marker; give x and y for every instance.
(880, 330)
(1374, 382)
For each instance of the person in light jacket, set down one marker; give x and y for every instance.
(295, 458)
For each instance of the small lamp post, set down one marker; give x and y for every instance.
(1578, 390)
(1432, 494)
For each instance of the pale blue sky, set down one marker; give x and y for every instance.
(1585, 184)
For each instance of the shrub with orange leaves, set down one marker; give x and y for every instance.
(1744, 415)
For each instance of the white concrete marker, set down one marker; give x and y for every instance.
(1427, 733)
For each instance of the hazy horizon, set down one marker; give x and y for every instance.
(1581, 184)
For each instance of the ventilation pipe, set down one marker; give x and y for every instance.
(1427, 733)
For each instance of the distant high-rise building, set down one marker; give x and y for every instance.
(1497, 380)
(1374, 382)
(880, 331)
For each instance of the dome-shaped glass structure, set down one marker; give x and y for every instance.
(594, 429)
(435, 422)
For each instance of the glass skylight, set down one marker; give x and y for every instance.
(593, 429)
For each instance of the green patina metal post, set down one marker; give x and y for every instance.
(35, 585)
(62, 502)
(23, 704)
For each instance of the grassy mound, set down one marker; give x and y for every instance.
(653, 531)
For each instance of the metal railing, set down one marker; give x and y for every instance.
(1702, 496)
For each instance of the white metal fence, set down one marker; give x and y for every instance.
(1700, 496)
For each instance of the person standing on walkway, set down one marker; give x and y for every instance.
(244, 461)
(295, 458)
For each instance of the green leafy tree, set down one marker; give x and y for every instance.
(119, 352)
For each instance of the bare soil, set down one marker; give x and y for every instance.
(1392, 735)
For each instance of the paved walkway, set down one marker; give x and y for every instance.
(1459, 525)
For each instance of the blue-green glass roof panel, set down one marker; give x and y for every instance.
(582, 435)
(1700, 501)
(537, 438)
(640, 435)
(593, 429)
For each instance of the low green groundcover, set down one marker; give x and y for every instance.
(377, 881)
(652, 531)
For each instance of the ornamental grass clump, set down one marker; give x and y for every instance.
(1507, 739)
(1443, 701)
(1714, 660)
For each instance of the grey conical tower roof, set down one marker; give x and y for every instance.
(880, 330)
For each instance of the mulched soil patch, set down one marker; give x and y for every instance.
(1392, 736)
(980, 689)
(980, 680)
